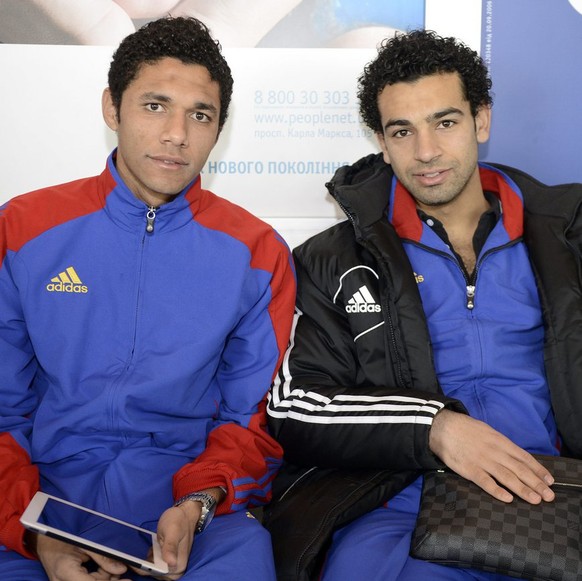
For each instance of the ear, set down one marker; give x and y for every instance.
(483, 123)
(382, 143)
(110, 113)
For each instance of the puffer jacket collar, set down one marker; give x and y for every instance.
(362, 190)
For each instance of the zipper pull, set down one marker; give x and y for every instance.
(150, 217)
(470, 296)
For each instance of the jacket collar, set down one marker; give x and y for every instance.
(125, 209)
(404, 216)
(368, 190)
(362, 189)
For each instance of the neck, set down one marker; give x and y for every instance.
(461, 215)
(460, 220)
(460, 226)
(154, 200)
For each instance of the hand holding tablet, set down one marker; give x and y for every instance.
(71, 523)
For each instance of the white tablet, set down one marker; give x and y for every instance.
(63, 520)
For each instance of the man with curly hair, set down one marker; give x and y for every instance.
(142, 320)
(437, 326)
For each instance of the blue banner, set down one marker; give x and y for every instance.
(534, 51)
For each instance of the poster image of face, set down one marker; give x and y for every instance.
(236, 23)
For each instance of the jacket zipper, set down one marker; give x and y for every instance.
(150, 218)
(470, 296)
(390, 324)
(470, 283)
(569, 226)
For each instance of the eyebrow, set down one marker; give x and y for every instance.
(151, 96)
(432, 117)
(198, 105)
(201, 106)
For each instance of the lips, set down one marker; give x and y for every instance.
(168, 161)
(432, 178)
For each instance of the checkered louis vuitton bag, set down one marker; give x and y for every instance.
(460, 525)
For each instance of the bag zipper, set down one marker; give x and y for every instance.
(574, 485)
(565, 484)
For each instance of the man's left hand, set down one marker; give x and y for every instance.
(176, 530)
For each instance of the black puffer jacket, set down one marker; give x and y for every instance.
(336, 471)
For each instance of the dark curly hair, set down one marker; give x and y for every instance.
(186, 39)
(408, 57)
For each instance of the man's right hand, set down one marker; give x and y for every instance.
(64, 562)
(479, 453)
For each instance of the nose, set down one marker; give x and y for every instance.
(175, 130)
(427, 146)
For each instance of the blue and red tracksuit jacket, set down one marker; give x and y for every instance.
(487, 332)
(134, 365)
